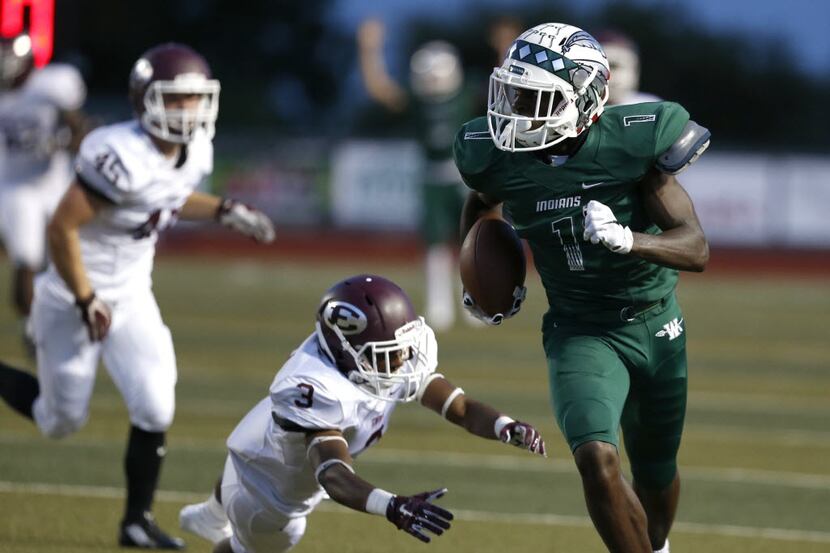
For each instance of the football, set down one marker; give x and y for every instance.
(492, 264)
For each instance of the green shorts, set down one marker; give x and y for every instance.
(607, 373)
(442, 212)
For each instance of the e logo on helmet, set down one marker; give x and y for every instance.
(345, 316)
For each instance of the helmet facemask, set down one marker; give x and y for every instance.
(539, 98)
(179, 124)
(383, 366)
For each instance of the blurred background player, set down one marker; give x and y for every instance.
(624, 63)
(329, 402)
(95, 301)
(40, 128)
(438, 104)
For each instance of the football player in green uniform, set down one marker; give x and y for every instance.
(437, 102)
(594, 193)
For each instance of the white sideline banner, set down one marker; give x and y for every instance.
(377, 184)
(762, 200)
(742, 199)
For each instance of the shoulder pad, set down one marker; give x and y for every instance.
(59, 83)
(473, 149)
(308, 403)
(693, 141)
(110, 163)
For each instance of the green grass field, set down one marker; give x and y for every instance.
(755, 457)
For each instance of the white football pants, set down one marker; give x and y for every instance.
(257, 526)
(25, 208)
(138, 353)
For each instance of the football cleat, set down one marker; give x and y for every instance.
(146, 534)
(197, 519)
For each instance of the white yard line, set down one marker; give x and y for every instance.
(516, 463)
(534, 519)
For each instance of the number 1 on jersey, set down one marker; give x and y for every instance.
(564, 229)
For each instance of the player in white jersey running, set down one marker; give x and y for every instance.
(328, 403)
(40, 127)
(95, 301)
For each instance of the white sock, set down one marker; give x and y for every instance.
(665, 548)
(441, 277)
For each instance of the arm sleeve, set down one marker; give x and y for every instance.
(309, 404)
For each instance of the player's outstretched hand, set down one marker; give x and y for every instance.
(416, 514)
(246, 220)
(523, 435)
(601, 226)
(96, 315)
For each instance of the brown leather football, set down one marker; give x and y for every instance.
(492, 263)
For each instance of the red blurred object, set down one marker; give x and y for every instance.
(40, 25)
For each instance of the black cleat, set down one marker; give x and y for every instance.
(146, 534)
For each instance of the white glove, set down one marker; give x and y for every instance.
(601, 226)
(96, 315)
(519, 295)
(246, 220)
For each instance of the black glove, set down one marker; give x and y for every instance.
(416, 514)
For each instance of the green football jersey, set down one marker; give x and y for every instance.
(545, 203)
(437, 122)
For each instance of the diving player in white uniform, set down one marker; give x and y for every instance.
(329, 402)
(95, 301)
(40, 128)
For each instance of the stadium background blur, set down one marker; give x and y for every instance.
(297, 135)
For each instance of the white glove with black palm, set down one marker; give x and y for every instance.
(519, 295)
(246, 220)
(601, 226)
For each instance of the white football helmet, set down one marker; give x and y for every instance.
(552, 86)
(435, 71)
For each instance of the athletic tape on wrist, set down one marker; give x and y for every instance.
(321, 439)
(501, 422)
(450, 398)
(377, 501)
(325, 465)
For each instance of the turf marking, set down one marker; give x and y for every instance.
(533, 519)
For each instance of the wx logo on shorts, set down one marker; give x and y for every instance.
(672, 329)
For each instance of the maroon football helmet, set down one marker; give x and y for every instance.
(16, 61)
(164, 74)
(368, 326)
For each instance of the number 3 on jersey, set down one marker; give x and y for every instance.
(564, 230)
(306, 396)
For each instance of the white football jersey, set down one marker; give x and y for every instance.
(310, 393)
(144, 190)
(32, 130)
